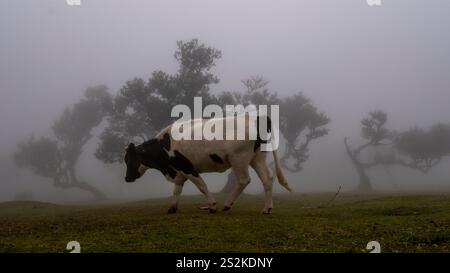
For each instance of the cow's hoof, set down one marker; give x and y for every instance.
(213, 207)
(172, 210)
(267, 211)
(226, 208)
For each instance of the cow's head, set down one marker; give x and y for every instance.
(133, 159)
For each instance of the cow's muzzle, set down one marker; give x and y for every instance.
(129, 179)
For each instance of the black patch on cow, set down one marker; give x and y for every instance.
(259, 140)
(256, 146)
(154, 154)
(132, 161)
(216, 158)
(181, 163)
(165, 142)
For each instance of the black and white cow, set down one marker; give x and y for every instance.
(180, 160)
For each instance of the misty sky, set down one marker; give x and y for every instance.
(348, 57)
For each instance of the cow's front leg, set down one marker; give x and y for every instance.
(178, 188)
(243, 179)
(201, 185)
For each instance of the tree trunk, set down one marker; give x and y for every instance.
(97, 194)
(364, 181)
(231, 183)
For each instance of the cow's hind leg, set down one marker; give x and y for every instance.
(243, 179)
(263, 172)
(178, 188)
(201, 185)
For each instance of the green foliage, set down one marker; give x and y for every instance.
(194, 57)
(439, 135)
(256, 93)
(373, 127)
(112, 148)
(424, 148)
(414, 143)
(74, 126)
(42, 156)
(297, 114)
(300, 123)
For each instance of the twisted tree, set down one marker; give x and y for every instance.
(56, 159)
(300, 124)
(375, 133)
(416, 148)
(423, 149)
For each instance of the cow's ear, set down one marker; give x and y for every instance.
(131, 148)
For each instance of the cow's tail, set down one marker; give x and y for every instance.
(281, 179)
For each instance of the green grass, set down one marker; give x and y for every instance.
(401, 223)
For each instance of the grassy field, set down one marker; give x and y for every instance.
(401, 223)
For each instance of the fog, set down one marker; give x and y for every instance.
(348, 57)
